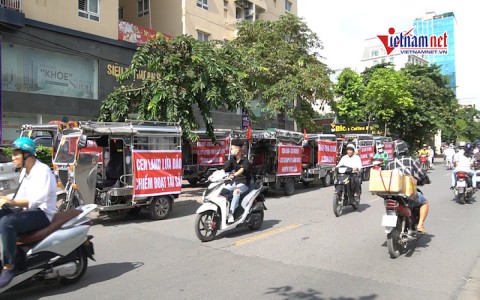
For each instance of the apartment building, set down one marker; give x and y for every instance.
(59, 58)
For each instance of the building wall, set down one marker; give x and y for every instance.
(65, 14)
(219, 23)
(276, 8)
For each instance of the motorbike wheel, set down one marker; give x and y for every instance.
(159, 208)
(193, 181)
(356, 203)
(461, 198)
(393, 243)
(289, 187)
(327, 180)
(81, 260)
(337, 204)
(203, 233)
(256, 225)
(74, 203)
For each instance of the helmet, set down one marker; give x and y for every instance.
(351, 146)
(380, 146)
(462, 144)
(424, 145)
(25, 144)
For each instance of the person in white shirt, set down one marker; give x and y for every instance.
(353, 161)
(431, 155)
(463, 163)
(449, 152)
(36, 197)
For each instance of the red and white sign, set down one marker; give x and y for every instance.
(209, 153)
(93, 148)
(366, 155)
(157, 172)
(289, 160)
(389, 149)
(327, 153)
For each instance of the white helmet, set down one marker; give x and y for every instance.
(351, 146)
(380, 146)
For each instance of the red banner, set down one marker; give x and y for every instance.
(289, 160)
(366, 155)
(93, 148)
(157, 172)
(327, 153)
(209, 153)
(134, 33)
(389, 149)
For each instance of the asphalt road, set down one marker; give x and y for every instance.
(302, 252)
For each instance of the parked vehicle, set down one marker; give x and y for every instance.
(344, 192)
(8, 175)
(212, 215)
(400, 222)
(463, 188)
(203, 157)
(276, 157)
(57, 252)
(142, 169)
(319, 156)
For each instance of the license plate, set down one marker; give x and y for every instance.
(461, 184)
(389, 220)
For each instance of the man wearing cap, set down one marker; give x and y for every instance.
(353, 161)
(240, 174)
(36, 195)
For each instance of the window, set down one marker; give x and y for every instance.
(225, 4)
(143, 7)
(203, 4)
(203, 36)
(374, 53)
(121, 13)
(89, 9)
(288, 6)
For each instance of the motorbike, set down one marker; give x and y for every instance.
(400, 222)
(58, 252)
(476, 167)
(344, 192)
(463, 190)
(212, 214)
(424, 162)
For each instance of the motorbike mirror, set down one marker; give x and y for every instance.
(82, 141)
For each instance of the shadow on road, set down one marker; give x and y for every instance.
(236, 232)
(288, 292)
(95, 274)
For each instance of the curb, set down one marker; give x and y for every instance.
(471, 289)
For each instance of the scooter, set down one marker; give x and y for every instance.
(212, 215)
(58, 252)
(424, 162)
(463, 190)
(344, 191)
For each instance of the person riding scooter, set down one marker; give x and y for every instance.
(353, 161)
(36, 194)
(381, 155)
(409, 166)
(240, 173)
(463, 163)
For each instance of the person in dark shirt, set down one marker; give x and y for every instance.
(240, 174)
(409, 166)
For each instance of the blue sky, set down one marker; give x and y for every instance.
(344, 25)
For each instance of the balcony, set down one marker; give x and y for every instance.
(11, 13)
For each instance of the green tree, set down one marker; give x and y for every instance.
(349, 89)
(284, 67)
(189, 74)
(368, 72)
(465, 127)
(387, 95)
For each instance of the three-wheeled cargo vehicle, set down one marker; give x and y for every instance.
(276, 157)
(319, 156)
(142, 166)
(203, 157)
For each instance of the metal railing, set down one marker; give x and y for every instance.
(13, 4)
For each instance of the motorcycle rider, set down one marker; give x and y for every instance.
(353, 161)
(449, 153)
(240, 173)
(463, 163)
(381, 154)
(36, 195)
(410, 166)
(476, 156)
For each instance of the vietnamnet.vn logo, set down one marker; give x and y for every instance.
(409, 43)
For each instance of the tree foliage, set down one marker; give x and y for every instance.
(283, 64)
(350, 90)
(188, 74)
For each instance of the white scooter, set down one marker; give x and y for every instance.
(213, 213)
(57, 252)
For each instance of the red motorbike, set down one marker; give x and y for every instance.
(400, 222)
(424, 162)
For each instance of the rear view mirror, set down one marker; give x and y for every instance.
(82, 141)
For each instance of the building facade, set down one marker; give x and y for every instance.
(433, 24)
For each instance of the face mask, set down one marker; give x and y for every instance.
(380, 150)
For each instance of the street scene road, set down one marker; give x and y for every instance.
(302, 251)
